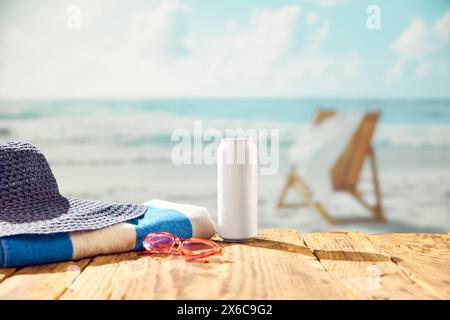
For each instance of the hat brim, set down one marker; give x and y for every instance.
(65, 215)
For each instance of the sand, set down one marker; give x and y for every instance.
(413, 200)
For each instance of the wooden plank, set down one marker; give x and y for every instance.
(6, 272)
(362, 269)
(277, 265)
(41, 282)
(424, 257)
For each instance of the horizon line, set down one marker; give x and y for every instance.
(312, 97)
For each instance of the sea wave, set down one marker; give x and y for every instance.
(413, 135)
(134, 128)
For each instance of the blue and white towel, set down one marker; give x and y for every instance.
(180, 219)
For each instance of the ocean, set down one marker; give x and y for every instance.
(120, 150)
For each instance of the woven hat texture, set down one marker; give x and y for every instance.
(30, 202)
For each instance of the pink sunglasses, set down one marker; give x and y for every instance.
(191, 248)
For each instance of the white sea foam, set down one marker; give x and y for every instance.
(102, 135)
(436, 135)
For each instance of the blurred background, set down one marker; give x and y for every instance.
(99, 87)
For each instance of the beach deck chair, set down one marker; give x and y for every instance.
(345, 172)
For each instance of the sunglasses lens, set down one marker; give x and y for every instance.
(192, 247)
(158, 243)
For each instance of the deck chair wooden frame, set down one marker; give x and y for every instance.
(345, 172)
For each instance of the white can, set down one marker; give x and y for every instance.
(237, 186)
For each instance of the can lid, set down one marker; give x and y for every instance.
(237, 151)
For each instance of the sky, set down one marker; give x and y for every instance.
(197, 48)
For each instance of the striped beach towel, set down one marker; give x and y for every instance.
(180, 219)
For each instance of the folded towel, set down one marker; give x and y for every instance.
(182, 220)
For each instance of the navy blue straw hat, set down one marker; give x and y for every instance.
(30, 202)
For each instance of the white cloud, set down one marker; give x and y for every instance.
(325, 3)
(136, 59)
(421, 48)
(151, 31)
(311, 18)
(415, 42)
(396, 71)
(329, 3)
(317, 37)
(232, 26)
(250, 53)
(442, 27)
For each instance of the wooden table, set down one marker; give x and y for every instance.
(279, 264)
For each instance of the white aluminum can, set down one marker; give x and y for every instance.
(237, 185)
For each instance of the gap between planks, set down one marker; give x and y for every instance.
(424, 258)
(406, 272)
(75, 279)
(335, 277)
(275, 266)
(41, 282)
(362, 269)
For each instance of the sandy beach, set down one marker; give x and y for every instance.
(414, 201)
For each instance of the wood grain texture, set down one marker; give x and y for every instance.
(41, 282)
(361, 269)
(424, 257)
(277, 265)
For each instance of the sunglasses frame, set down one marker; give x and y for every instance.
(176, 247)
